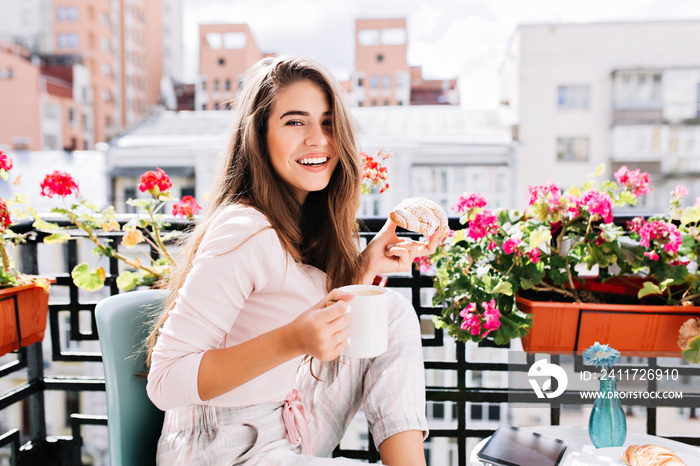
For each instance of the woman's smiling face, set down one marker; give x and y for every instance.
(300, 139)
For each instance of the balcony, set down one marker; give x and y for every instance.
(52, 401)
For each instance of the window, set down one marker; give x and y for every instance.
(636, 88)
(62, 41)
(204, 85)
(368, 37)
(105, 19)
(235, 40)
(214, 40)
(73, 40)
(61, 13)
(72, 13)
(360, 82)
(222, 62)
(129, 193)
(71, 117)
(386, 81)
(373, 81)
(105, 44)
(216, 84)
(572, 149)
(394, 36)
(106, 69)
(106, 95)
(570, 97)
(380, 58)
(227, 85)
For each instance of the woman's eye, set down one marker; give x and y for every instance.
(294, 123)
(327, 123)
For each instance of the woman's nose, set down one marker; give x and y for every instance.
(316, 136)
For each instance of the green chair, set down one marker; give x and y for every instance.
(134, 423)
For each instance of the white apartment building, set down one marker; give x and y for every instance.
(619, 93)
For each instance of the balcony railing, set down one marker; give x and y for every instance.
(450, 367)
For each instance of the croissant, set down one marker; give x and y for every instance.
(420, 215)
(651, 455)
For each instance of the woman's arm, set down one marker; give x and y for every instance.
(321, 332)
(387, 253)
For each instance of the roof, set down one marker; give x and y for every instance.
(181, 129)
(425, 123)
(434, 123)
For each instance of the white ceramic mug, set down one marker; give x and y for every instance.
(369, 321)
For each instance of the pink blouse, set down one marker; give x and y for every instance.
(242, 284)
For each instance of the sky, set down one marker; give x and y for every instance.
(466, 39)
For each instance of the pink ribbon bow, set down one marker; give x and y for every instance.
(296, 421)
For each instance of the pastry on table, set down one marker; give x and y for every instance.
(420, 215)
(651, 455)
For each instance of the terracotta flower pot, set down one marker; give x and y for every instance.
(32, 305)
(630, 328)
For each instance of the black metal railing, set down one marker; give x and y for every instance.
(37, 446)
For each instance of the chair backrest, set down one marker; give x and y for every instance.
(134, 423)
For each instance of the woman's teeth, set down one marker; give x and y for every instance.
(313, 161)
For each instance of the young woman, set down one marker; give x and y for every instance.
(258, 291)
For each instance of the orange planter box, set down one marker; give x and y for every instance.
(630, 328)
(33, 306)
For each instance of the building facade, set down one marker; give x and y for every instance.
(126, 45)
(226, 52)
(614, 93)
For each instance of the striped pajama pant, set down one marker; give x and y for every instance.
(391, 387)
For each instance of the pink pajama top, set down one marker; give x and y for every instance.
(242, 284)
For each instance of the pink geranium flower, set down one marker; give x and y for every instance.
(511, 245)
(598, 204)
(633, 180)
(484, 223)
(472, 321)
(468, 201)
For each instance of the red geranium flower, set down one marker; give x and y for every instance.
(187, 207)
(155, 182)
(58, 184)
(5, 162)
(5, 220)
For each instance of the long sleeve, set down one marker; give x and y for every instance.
(237, 256)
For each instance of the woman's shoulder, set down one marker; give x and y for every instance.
(240, 214)
(237, 224)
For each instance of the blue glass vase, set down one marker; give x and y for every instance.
(607, 425)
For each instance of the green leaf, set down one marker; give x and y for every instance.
(439, 323)
(628, 197)
(692, 354)
(503, 287)
(460, 235)
(90, 280)
(526, 284)
(55, 238)
(43, 225)
(540, 236)
(127, 281)
(690, 215)
(647, 289)
(599, 170)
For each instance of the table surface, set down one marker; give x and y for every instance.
(581, 451)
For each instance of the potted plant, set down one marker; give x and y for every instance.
(88, 221)
(548, 273)
(24, 299)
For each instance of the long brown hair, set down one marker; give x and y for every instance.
(322, 232)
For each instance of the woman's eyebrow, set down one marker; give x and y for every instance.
(299, 112)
